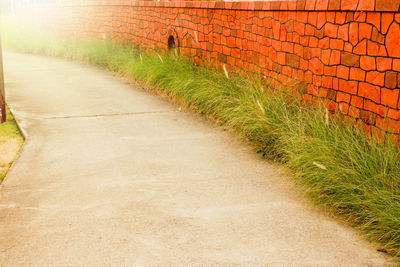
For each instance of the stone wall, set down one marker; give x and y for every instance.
(343, 52)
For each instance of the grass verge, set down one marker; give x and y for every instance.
(341, 168)
(10, 144)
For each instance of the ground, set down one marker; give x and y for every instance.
(110, 175)
(10, 144)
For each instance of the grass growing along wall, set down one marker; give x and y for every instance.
(339, 165)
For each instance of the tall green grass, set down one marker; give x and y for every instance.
(343, 169)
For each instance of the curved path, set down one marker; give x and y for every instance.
(111, 176)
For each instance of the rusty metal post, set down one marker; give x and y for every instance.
(2, 89)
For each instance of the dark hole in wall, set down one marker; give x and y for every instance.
(171, 42)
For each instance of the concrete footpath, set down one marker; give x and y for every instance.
(112, 176)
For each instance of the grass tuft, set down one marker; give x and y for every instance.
(343, 169)
(9, 128)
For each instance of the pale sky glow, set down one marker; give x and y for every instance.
(14, 6)
(24, 3)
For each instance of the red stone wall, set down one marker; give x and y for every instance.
(345, 52)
